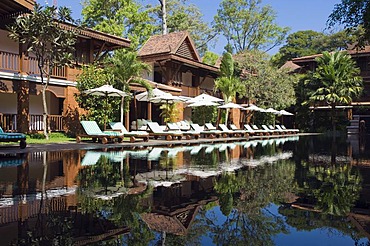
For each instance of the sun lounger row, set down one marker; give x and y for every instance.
(173, 131)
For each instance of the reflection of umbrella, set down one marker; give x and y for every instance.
(107, 91)
(205, 97)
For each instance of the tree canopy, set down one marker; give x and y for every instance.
(351, 14)
(304, 43)
(263, 83)
(124, 18)
(249, 26)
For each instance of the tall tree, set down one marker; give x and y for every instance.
(124, 18)
(47, 41)
(210, 58)
(304, 43)
(263, 83)
(336, 81)
(351, 14)
(186, 17)
(228, 83)
(247, 25)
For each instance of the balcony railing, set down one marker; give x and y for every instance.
(11, 62)
(9, 122)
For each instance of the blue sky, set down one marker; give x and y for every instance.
(296, 14)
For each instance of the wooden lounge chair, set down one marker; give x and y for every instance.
(227, 131)
(211, 127)
(292, 130)
(253, 131)
(188, 134)
(206, 133)
(13, 137)
(132, 134)
(240, 131)
(265, 132)
(156, 131)
(93, 131)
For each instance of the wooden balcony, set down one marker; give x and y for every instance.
(189, 91)
(9, 122)
(11, 62)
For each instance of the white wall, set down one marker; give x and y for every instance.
(6, 44)
(8, 103)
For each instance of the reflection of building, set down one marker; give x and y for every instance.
(20, 83)
(174, 208)
(23, 207)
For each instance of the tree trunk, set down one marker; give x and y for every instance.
(226, 116)
(333, 119)
(44, 103)
(164, 16)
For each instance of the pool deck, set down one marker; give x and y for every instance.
(88, 145)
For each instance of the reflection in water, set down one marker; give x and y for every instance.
(254, 192)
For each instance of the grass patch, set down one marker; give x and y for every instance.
(54, 137)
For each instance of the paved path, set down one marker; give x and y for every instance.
(72, 145)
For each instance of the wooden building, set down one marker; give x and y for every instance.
(20, 83)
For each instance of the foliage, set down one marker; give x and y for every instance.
(210, 58)
(204, 114)
(169, 112)
(352, 14)
(304, 43)
(182, 16)
(248, 26)
(336, 81)
(263, 83)
(96, 108)
(228, 83)
(126, 69)
(123, 18)
(47, 41)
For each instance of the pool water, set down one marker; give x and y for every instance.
(307, 190)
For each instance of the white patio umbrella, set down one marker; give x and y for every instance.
(201, 103)
(143, 97)
(253, 107)
(283, 112)
(231, 105)
(166, 99)
(205, 97)
(271, 110)
(108, 91)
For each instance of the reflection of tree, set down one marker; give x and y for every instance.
(250, 222)
(335, 188)
(304, 220)
(226, 187)
(122, 210)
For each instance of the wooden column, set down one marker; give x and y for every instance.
(127, 120)
(149, 111)
(23, 106)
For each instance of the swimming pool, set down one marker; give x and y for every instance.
(285, 191)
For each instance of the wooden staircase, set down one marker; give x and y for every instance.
(354, 127)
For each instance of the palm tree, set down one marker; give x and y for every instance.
(127, 69)
(336, 81)
(228, 83)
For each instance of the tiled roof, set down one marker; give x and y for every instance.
(353, 52)
(168, 44)
(291, 66)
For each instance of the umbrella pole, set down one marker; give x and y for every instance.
(105, 116)
(135, 107)
(122, 104)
